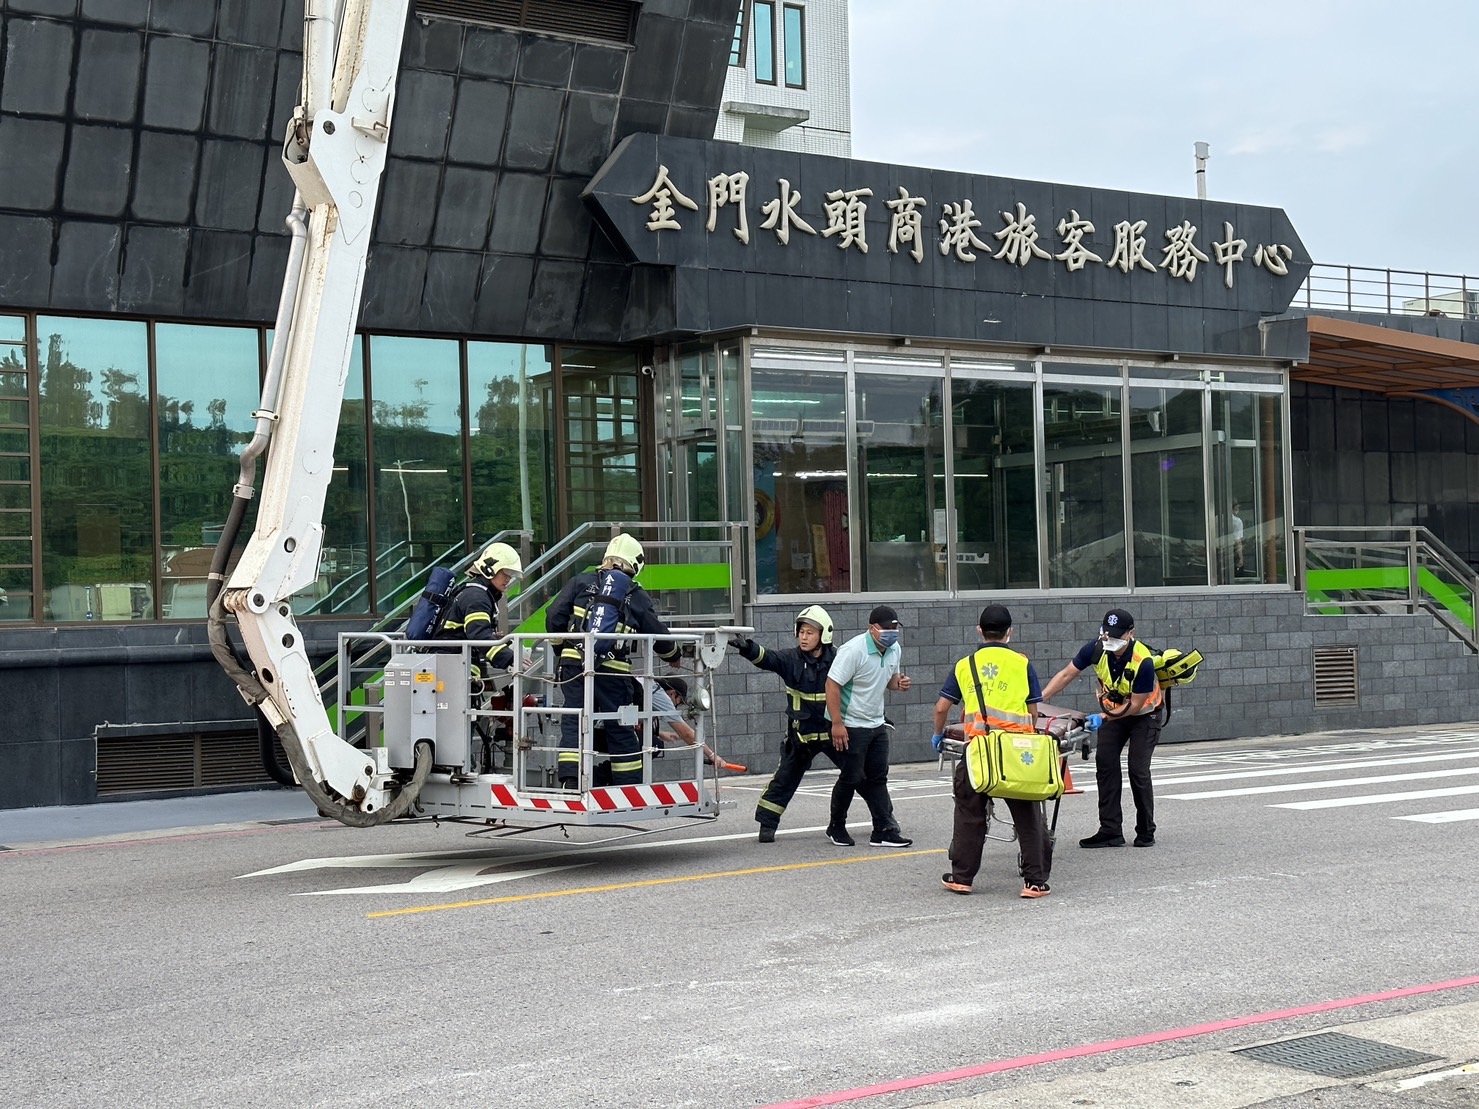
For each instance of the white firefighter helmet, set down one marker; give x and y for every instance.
(817, 617)
(495, 558)
(628, 550)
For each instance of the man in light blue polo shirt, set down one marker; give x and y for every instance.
(865, 666)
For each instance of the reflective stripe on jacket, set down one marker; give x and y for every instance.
(805, 678)
(1002, 676)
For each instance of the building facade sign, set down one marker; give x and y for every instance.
(891, 232)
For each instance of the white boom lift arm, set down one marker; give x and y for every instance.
(335, 150)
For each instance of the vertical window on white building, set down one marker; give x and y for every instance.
(765, 42)
(793, 30)
(741, 25)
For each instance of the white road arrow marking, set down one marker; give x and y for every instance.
(445, 880)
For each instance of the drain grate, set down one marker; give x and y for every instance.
(1336, 1055)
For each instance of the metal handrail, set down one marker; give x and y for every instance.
(328, 686)
(1413, 550)
(546, 575)
(1389, 292)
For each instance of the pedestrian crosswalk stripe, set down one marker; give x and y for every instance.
(1312, 768)
(1442, 817)
(1335, 783)
(1378, 798)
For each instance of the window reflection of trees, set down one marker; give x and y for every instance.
(96, 474)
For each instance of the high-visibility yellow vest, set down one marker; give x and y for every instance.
(994, 689)
(1124, 685)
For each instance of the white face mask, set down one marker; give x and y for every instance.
(1115, 646)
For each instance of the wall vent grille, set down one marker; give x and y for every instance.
(606, 20)
(152, 764)
(1336, 677)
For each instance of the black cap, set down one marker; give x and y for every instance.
(676, 688)
(884, 617)
(995, 619)
(1116, 622)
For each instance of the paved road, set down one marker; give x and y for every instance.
(240, 951)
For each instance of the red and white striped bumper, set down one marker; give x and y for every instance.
(610, 799)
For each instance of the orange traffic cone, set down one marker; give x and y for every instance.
(1068, 786)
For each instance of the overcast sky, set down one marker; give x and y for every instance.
(1360, 118)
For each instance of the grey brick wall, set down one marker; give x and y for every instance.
(1258, 678)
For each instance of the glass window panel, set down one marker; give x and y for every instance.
(1084, 486)
(97, 543)
(737, 43)
(15, 496)
(208, 385)
(992, 366)
(765, 42)
(1262, 377)
(15, 412)
(602, 448)
(693, 400)
(511, 439)
(416, 414)
(13, 377)
(15, 441)
(1166, 481)
(1166, 371)
(343, 586)
(1083, 369)
(15, 469)
(1248, 486)
(702, 461)
(15, 592)
(901, 467)
(995, 497)
(794, 31)
(802, 538)
(12, 329)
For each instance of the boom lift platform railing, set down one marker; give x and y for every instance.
(495, 737)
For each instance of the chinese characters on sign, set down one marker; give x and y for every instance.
(845, 212)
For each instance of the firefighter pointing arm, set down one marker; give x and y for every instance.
(1130, 699)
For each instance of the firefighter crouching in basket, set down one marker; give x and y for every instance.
(803, 669)
(576, 609)
(1130, 700)
(472, 609)
(997, 688)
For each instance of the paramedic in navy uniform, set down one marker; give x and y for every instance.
(1130, 700)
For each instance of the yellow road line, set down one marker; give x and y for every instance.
(651, 882)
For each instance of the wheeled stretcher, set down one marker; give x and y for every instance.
(1068, 726)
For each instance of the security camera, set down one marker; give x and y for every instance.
(646, 371)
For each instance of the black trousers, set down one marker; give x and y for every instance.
(1140, 734)
(796, 760)
(610, 692)
(864, 771)
(969, 836)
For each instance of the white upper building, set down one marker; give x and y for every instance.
(789, 84)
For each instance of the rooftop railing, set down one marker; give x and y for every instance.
(1389, 292)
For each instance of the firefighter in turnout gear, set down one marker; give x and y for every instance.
(472, 610)
(578, 609)
(996, 688)
(803, 669)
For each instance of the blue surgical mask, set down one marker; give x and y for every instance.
(888, 637)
